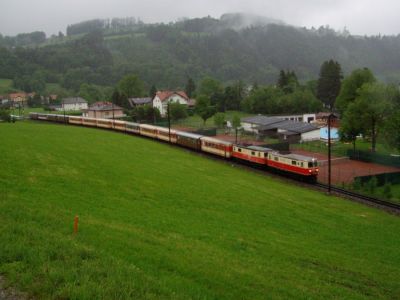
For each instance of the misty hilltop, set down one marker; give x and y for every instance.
(234, 47)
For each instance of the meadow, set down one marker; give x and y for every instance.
(157, 221)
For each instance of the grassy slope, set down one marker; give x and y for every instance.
(161, 222)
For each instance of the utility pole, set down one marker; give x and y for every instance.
(236, 134)
(112, 105)
(169, 122)
(329, 152)
(63, 105)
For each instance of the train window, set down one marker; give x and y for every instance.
(276, 158)
(265, 154)
(240, 150)
(302, 165)
(253, 153)
(293, 162)
(310, 164)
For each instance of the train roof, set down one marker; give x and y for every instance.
(296, 157)
(207, 138)
(132, 123)
(255, 147)
(189, 134)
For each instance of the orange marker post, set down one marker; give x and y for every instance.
(76, 221)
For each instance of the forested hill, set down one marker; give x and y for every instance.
(234, 47)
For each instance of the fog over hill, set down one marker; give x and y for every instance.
(234, 47)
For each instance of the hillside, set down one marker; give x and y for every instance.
(161, 222)
(234, 47)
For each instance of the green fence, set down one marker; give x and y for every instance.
(278, 146)
(382, 179)
(206, 131)
(393, 161)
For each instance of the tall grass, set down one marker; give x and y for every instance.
(157, 222)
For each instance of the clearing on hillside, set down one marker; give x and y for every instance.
(156, 221)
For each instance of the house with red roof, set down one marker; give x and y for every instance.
(162, 98)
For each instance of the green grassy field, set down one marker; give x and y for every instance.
(158, 221)
(196, 122)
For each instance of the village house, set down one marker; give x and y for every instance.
(104, 110)
(162, 98)
(18, 98)
(73, 103)
(135, 102)
(277, 127)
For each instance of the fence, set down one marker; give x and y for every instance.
(206, 131)
(278, 146)
(393, 161)
(382, 179)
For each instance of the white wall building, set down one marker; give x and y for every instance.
(75, 103)
(162, 98)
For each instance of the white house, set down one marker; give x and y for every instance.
(74, 103)
(162, 98)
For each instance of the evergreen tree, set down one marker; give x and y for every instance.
(153, 91)
(190, 88)
(329, 83)
(282, 79)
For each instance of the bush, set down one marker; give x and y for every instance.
(5, 115)
(219, 120)
(387, 191)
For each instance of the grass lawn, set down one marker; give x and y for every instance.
(196, 122)
(158, 221)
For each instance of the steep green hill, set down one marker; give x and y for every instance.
(158, 221)
(231, 48)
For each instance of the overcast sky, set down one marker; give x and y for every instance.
(359, 16)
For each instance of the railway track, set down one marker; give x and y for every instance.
(362, 198)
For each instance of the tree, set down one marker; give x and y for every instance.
(219, 119)
(153, 91)
(131, 86)
(351, 125)
(329, 82)
(350, 87)
(5, 115)
(90, 92)
(374, 104)
(190, 87)
(236, 122)
(35, 101)
(204, 108)
(146, 113)
(177, 110)
(392, 130)
(287, 81)
(282, 79)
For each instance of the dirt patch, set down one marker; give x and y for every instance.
(7, 293)
(345, 170)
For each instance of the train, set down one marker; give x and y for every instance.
(299, 166)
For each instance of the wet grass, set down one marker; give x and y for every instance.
(157, 222)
